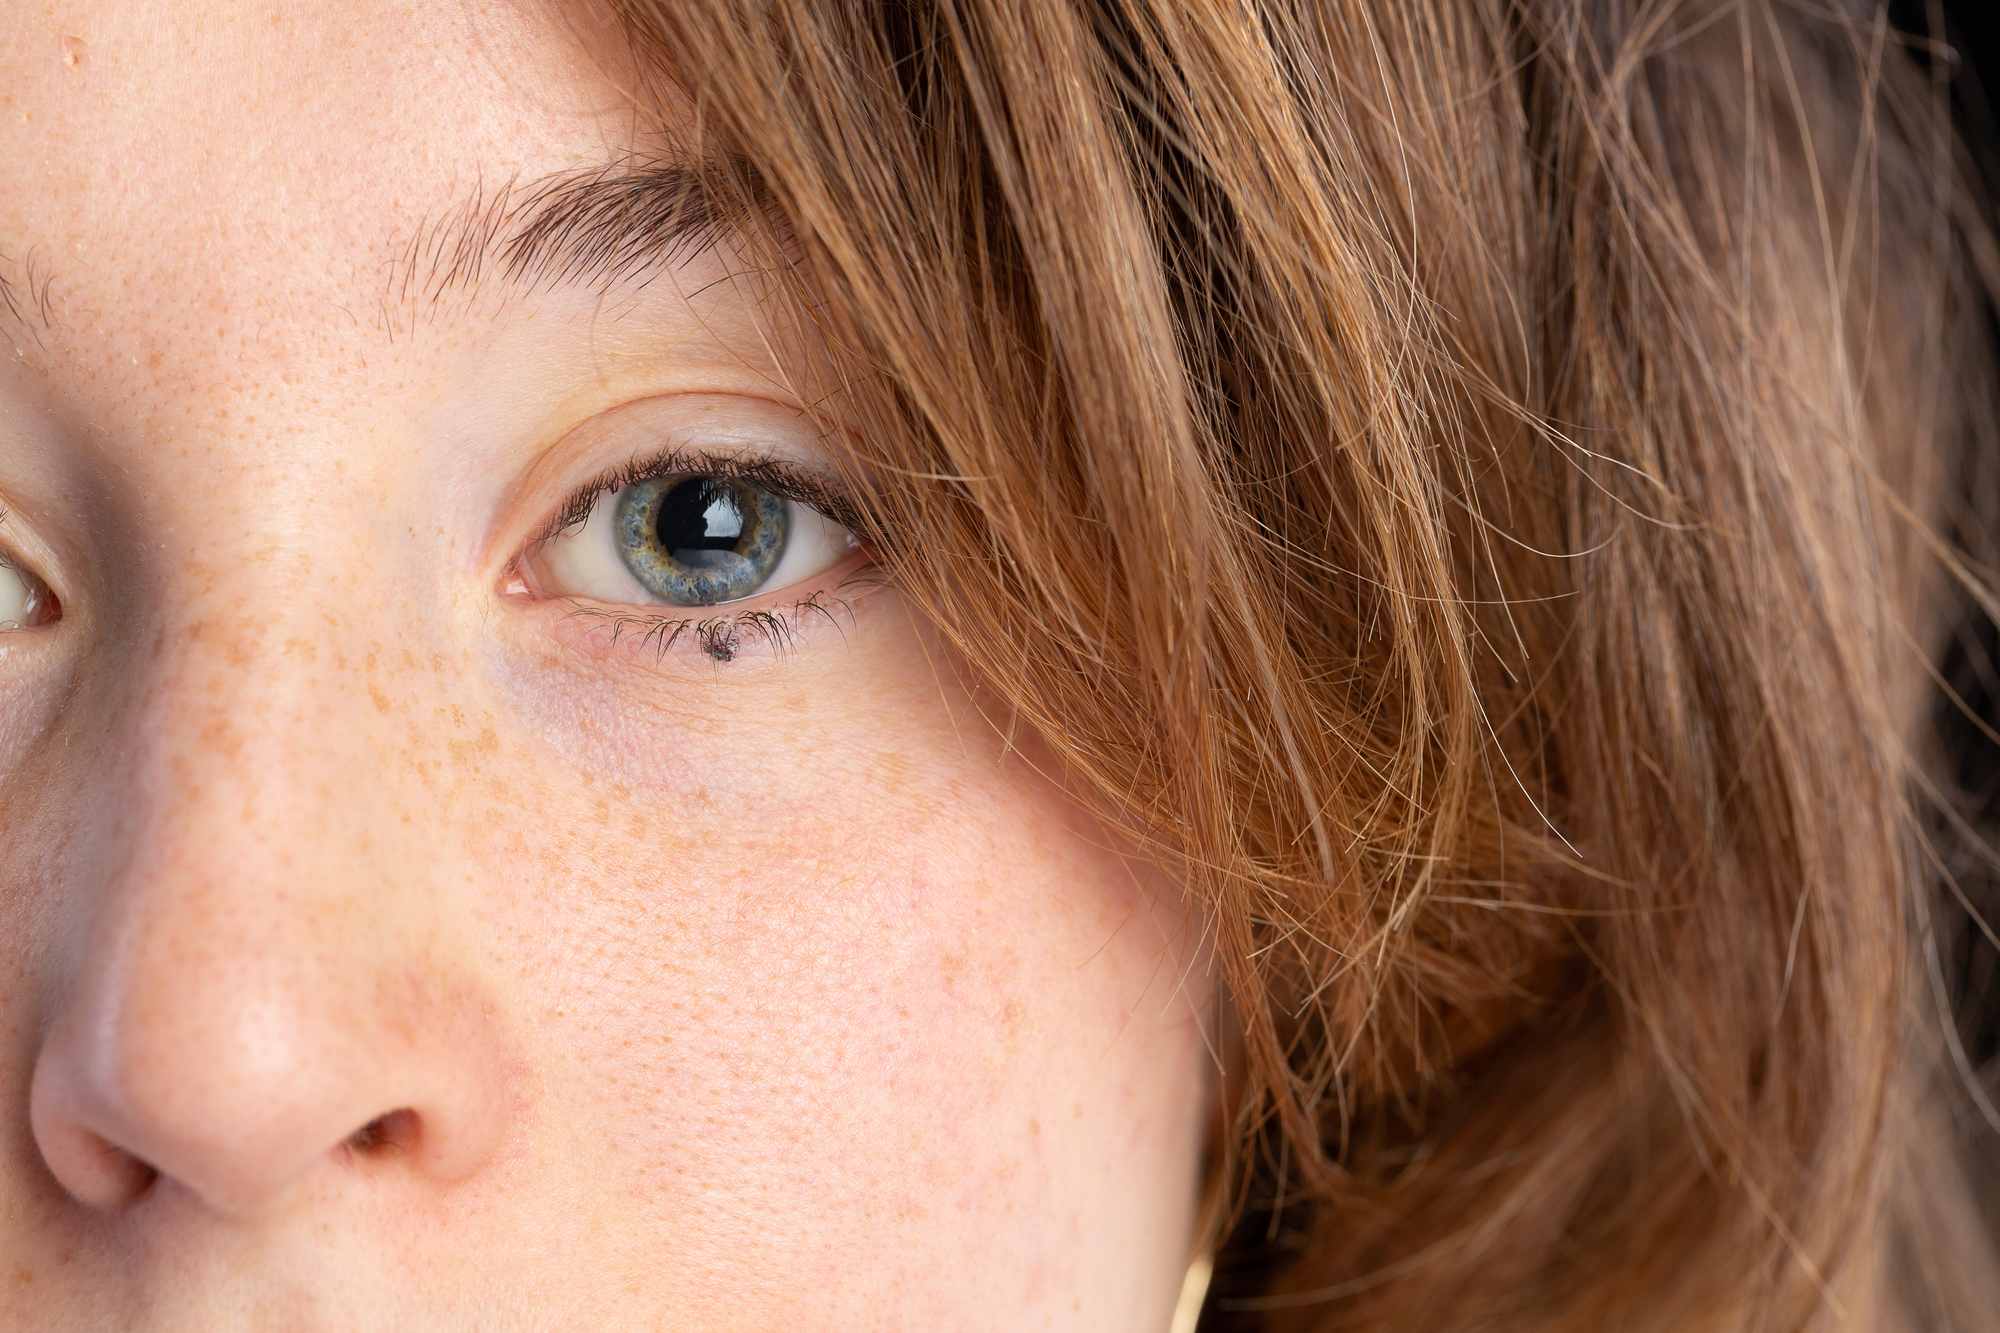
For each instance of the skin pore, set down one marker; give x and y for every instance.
(393, 937)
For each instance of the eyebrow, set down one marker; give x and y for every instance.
(24, 294)
(600, 227)
(605, 226)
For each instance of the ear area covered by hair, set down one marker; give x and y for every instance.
(1464, 484)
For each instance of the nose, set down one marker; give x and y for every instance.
(268, 985)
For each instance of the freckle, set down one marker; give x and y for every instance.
(381, 699)
(222, 738)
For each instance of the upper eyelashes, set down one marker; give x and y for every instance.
(767, 473)
(687, 531)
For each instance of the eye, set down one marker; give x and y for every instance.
(690, 539)
(25, 601)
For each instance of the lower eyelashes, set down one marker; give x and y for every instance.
(720, 638)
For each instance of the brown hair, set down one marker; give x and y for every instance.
(1462, 481)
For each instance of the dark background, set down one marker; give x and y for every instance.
(1971, 31)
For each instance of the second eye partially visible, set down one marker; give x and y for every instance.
(25, 601)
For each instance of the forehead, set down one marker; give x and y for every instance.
(238, 242)
(206, 170)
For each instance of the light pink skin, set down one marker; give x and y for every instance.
(768, 994)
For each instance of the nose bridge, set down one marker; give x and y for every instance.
(264, 719)
(258, 786)
(258, 839)
(268, 970)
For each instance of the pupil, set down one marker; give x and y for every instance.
(699, 515)
(699, 541)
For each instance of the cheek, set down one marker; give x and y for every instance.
(845, 969)
(843, 957)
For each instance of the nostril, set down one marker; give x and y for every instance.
(97, 1171)
(130, 1177)
(394, 1130)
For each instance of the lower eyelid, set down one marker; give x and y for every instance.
(645, 637)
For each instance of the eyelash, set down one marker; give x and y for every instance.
(724, 638)
(768, 473)
(721, 638)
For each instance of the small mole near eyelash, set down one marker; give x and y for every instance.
(720, 638)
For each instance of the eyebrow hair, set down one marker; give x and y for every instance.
(24, 294)
(603, 227)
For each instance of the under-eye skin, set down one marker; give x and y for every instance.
(701, 540)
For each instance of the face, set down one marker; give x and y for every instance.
(485, 849)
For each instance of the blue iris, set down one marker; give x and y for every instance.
(696, 541)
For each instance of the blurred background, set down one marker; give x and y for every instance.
(1960, 40)
(1971, 31)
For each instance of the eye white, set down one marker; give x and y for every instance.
(17, 597)
(585, 562)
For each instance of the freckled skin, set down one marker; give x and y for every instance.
(380, 950)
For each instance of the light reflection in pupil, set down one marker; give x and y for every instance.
(699, 519)
(699, 541)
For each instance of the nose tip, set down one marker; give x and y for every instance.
(267, 972)
(238, 1107)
